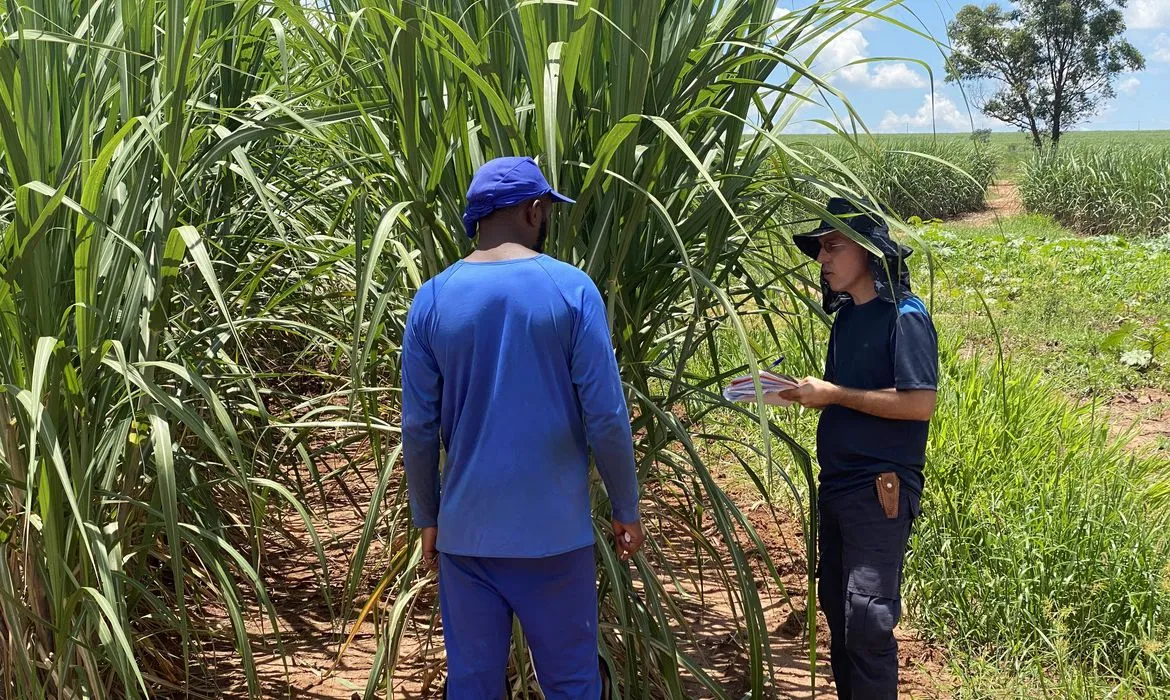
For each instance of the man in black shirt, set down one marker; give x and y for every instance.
(878, 395)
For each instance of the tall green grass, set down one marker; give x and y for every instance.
(1120, 189)
(159, 298)
(934, 179)
(127, 415)
(922, 177)
(1011, 149)
(1043, 546)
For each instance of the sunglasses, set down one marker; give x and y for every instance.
(832, 247)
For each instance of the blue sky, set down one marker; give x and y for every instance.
(896, 96)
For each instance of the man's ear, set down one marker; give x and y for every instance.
(535, 213)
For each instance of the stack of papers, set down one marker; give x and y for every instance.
(744, 390)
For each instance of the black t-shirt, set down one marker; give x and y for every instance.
(876, 345)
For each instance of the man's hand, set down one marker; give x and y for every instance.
(813, 393)
(430, 555)
(628, 538)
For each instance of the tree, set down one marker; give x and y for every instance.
(1053, 62)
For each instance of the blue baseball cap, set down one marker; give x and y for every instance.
(505, 182)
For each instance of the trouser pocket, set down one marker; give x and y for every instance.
(873, 607)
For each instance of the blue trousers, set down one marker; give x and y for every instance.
(555, 599)
(861, 557)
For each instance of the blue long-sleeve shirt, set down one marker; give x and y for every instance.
(510, 363)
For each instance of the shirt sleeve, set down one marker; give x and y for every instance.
(607, 420)
(422, 389)
(915, 348)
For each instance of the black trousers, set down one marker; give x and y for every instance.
(861, 557)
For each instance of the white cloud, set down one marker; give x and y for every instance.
(1129, 86)
(1162, 48)
(840, 52)
(890, 75)
(839, 57)
(940, 113)
(1148, 14)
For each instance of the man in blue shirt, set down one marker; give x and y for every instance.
(507, 359)
(878, 395)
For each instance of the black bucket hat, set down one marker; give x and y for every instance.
(891, 276)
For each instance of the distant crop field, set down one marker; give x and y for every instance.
(1101, 188)
(1012, 148)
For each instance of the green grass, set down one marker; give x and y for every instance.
(1069, 306)
(1041, 549)
(1096, 189)
(1043, 540)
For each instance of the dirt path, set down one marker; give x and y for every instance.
(1145, 415)
(311, 641)
(1003, 201)
(306, 606)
